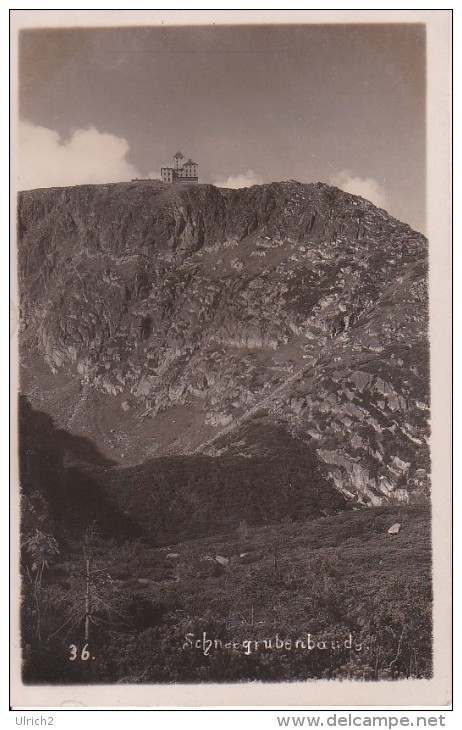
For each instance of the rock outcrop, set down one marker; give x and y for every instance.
(160, 320)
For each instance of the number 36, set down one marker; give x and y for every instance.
(84, 655)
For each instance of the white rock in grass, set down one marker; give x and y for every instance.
(394, 529)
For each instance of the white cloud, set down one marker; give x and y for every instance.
(244, 180)
(366, 187)
(89, 156)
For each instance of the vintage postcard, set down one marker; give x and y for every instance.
(230, 328)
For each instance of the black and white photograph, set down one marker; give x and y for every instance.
(225, 438)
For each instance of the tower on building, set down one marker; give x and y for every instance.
(182, 171)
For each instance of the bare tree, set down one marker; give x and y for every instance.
(94, 599)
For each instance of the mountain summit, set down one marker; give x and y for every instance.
(277, 322)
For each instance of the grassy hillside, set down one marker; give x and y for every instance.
(331, 577)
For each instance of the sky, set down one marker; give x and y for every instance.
(341, 104)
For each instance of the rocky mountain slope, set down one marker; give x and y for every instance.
(163, 321)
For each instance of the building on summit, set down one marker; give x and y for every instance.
(182, 171)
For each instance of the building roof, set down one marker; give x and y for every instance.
(190, 162)
(179, 155)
